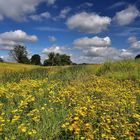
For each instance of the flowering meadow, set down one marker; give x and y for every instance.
(83, 102)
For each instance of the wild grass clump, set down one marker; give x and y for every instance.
(106, 67)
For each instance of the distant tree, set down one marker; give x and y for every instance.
(52, 58)
(19, 53)
(36, 59)
(83, 64)
(138, 56)
(65, 60)
(1, 60)
(57, 60)
(47, 62)
(74, 64)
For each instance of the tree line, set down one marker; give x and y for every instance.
(20, 55)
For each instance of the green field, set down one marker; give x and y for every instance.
(81, 102)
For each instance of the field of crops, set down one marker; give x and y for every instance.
(83, 102)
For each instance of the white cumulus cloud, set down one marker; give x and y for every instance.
(97, 49)
(88, 22)
(134, 43)
(12, 38)
(106, 52)
(55, 49)
(125, 53)
(127, 15)
(18, 35)
(95, 46)
(19, 9)
(96, 41)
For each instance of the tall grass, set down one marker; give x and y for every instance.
(126, 69)
(12, 67)
(17, 76)
(71, 73)
(65, 74)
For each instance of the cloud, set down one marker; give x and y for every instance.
(126, 53)
(97, 50)
(8, 58)
(19, 9)
(134, 43)
(127, 15)
(40, 17)
(7, 45)
(91, 60)
(51, 29)
(52, 38)
(118, 4)
(50, 2)
(85, 5)
(92, 42)
(18, 35)
(12, 38)
(88, 22)
(64, 12)
(101, 52)
(132, 39)
(95, 46)
(55, 49)
(1, 17)
(128, 31)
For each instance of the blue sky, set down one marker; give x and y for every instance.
(89, 31)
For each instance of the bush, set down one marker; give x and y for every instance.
(138, 56)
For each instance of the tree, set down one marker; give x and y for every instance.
(57, 60)
(65, 60)
(35, 59)
(47, 62)
(1, 60)
(19, 53)
(138, 56)
(52, 58)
